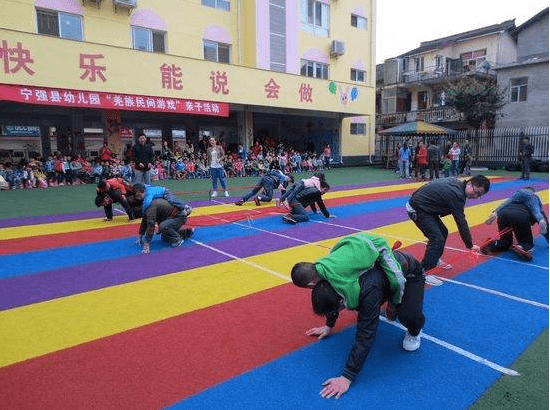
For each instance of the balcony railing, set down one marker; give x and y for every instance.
(432, 115)
(453, 68)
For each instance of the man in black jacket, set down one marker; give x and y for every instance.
(143, 160)
(440, 198)
(307, 197)
(170, 220)
(525, 153)
(434, 158)
(375, 290)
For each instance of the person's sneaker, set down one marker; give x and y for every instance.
(187, 210)
(486, 248)
(214, 194)
(226, 193)
(411, 343)
(288, 219)
(240, 202)
(186, 233)
(176, 243)
(433, 281)
(444, 265)
(525, 254)
(257, 201)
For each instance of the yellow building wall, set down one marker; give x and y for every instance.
(106, 32)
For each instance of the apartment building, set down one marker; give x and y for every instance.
(78, 72)
(412, 86)
(526, 79)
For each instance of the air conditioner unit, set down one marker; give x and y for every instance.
(126, 3)
(337, 48)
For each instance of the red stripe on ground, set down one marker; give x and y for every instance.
(156, 365)
(43, 242)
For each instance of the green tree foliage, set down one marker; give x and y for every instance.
(478, 98)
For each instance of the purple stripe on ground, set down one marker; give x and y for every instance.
(44, 219)
(28, 289)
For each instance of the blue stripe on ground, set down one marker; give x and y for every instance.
(93, 272)
(391, 378)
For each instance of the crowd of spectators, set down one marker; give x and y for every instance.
(180, 161)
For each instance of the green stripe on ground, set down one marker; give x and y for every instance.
(527, 391)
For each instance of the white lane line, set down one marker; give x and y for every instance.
(494, 292)
(246, 262)
(467, 251)
(458, 350)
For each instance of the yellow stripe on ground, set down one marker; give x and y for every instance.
(46, 327)
(95, 223)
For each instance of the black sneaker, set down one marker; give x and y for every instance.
(257, 200)
(487, 247)
(288, 219)
(186, 233)
(240, 202)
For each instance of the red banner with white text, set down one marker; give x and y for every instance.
(110, 101)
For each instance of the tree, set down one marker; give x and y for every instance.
(477, 97)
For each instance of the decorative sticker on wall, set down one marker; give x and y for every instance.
(346, 94)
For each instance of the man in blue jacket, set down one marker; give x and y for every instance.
(515, 216)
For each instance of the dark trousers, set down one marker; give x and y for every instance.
(434, 169)
(525, 167)
(169, 228)
(410, 312)
(298, 212)
(118, 198)
(516, 219)
(375, 291)
(436, 232)
(267, 184)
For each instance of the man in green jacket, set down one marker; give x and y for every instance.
(347, 261)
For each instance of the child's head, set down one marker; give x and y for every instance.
(304, 275)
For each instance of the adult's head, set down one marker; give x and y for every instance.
(324, 187)
(212, 141)
(325, 300)
(304, 275)
(477, 186)
(142, 139)
(139, 190)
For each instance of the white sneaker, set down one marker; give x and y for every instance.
(432, 280)
(214, 194)
(444, 265)
(226, 193)
(411, 343)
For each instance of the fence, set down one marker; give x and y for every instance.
(490, 148)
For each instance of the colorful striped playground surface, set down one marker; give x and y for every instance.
(88, 321)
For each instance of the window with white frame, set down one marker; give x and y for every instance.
(418, 64)
(472, 59)
(219, 52)
(59, 24)
(277, 35)
(357, 75)
(217, 4)
(359, 22)
(439, 60)
(314, 69)
(518, 89)
(146, 39)
(315, 16)
(358, 129)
